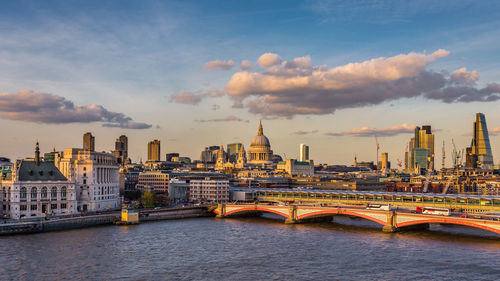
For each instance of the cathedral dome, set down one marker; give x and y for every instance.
(260, 149)
(260, 140)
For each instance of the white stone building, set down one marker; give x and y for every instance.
(209, 190)
(95, 175)
(36, 189)
(296, 168)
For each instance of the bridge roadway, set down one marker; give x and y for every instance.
(391, 221)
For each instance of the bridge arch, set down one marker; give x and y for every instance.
(449, 221)
(240, 211)
(336, 212)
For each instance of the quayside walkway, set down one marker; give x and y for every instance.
(391, 221)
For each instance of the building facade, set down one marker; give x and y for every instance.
(304, 152)
(232, 151)
(121, 150)
(88, 142)
(209, 190)
(154, 150)
(480, 145)
(153, 181)
(297, 168)
(95, 175)
(36, 189)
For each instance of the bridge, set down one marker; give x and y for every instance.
(465, 203)
(391, 221)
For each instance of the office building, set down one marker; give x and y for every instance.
(480, 155)
(296, 168)
(88, 142)
(232, 151)
(209, 190)
(304, 152)
(153, 181)
(121, 150)
(154, 150)
(422, 142)
(95, 175)
(209, 155)
(170, 157)
(385, 164)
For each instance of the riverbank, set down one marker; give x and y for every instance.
(84, 221)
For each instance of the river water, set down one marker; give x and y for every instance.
(249, 249)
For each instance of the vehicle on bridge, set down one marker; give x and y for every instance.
(378, 206)
(435, 211)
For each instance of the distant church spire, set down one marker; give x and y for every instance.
(261, 131)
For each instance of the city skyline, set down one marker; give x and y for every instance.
(93, 66)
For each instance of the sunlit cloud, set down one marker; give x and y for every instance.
(382, 132)
(302, 133)
(30, 106)
(217, 64)
(230, 118)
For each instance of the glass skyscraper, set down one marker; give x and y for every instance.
(481, 143)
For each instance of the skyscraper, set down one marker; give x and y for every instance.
(88, 142)
(304, 152)
(385, 164)
(121, 150)
(154, 150)
(480, 146)
(421, 153)
(232, 151)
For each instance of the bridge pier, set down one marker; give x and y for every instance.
(391, 223)
(222, 211)
(292, 215)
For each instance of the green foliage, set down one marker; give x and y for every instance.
(148, 200)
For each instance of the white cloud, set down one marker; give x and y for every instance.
(269, 59)
(217, 64)
(245, 65)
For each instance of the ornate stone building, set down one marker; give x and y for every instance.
(36, 189)
(260, 149)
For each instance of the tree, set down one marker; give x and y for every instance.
(148, 200)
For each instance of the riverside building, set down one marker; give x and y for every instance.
(209, 190)
(36, 189)
(95, 175)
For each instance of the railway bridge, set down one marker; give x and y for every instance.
(391, 221)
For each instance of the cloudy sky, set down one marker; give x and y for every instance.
(331, 74)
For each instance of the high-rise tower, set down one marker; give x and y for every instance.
(480, 146)
(88, 142)
(154, 150)
(421, 149)
(121, 150)
(304, 152)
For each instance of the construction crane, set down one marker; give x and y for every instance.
(444, 157)
(378, 147)
(455, 154)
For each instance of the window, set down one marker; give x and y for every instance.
(44, 192)
(53, 206)
(53, 193)
(63, 192)
(23, 193)
(84, 181)
(33, 194)
(34, 207)
(23, 208)
(63, 206)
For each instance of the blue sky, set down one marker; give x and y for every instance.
(132, 57)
